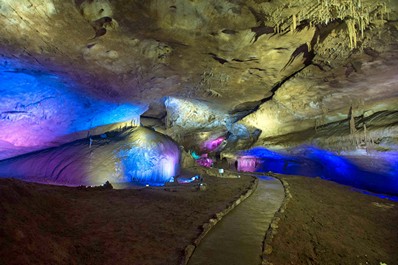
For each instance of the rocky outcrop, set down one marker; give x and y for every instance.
(139, 155)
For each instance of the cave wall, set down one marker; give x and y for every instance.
(136, 155)
(39, 110)
(270, 73)
(315, 101)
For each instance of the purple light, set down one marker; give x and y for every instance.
(247, 163)
(138, 155)
(205, 161)
(39, 110)
(213, 144)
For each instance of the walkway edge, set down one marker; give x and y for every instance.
(206, 227)
(269, 235)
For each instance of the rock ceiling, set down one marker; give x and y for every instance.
(278, 67)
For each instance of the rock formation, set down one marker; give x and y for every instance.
(276, 73)
(137, 155)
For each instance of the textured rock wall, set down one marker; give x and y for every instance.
(137, 155)
(294, 67)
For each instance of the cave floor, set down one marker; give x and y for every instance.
(44, 224)
(324, 223)
(328, 223)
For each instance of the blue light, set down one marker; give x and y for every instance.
(37, 108)
(151, 158)
(195, 156)
(312, 162)
(136, 156)
(381, 196)
(183, 180)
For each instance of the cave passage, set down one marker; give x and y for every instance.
(372, 173)
(228, 243)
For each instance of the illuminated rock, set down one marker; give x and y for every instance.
(270, 73)
(137, 155)
(39, 109)
(151, 157)
(247, 163)
(349, 169)
(187, 114)
(213, 144)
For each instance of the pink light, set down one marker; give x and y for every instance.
(213, 144)
(204, 161)
(247, 163)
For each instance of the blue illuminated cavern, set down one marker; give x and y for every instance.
(47, 104)
(314, 162)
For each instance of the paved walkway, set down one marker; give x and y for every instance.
(237, 239)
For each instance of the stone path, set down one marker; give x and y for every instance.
(237, 239)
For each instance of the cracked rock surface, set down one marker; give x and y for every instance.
(287, 68)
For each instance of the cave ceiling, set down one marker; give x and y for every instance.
(279, 66)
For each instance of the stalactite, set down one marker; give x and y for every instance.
(352, 33)
(352, 122)
(354, 13)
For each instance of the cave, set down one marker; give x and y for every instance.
(199, 132)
